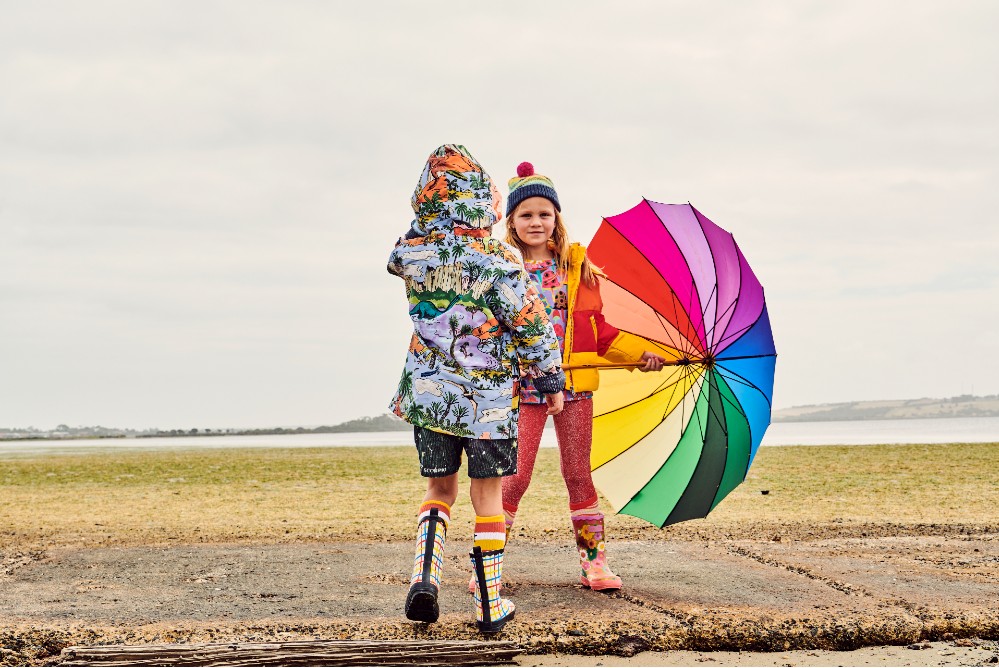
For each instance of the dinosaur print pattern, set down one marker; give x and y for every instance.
(426, 310)
(476, 319)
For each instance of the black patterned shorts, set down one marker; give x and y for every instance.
(440, 454)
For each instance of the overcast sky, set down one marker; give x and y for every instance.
(197, 198)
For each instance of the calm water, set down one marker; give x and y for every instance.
(949, 430)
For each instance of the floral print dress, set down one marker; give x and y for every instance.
(550, 283)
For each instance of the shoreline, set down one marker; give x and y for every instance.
(810, 435)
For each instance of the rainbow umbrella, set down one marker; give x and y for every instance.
(670, 446)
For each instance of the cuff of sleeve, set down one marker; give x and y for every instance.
(552, 383)
(625, 349)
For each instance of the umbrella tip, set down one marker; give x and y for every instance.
(525, 169)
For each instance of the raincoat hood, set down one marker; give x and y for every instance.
(454, 192)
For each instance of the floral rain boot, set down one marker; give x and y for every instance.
(595, 574)
(491, 612)
(425, 583)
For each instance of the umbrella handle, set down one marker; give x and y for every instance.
(630, 365)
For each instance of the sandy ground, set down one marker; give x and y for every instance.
(796, 601)
(851, 557)
(966, 653)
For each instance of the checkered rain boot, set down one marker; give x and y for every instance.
(595, 574)
(491, 612)
(471, 581)
(425, 584)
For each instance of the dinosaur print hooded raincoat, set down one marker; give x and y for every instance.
(475, 315)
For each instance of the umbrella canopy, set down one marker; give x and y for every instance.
(669, 446)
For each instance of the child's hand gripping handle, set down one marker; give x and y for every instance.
(555, 403)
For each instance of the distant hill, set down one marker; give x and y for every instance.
(965, 405)
(386, 422)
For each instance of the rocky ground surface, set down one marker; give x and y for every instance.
(931, 593)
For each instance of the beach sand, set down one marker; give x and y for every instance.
(968, 653)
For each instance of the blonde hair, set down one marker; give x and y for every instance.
(558, 244)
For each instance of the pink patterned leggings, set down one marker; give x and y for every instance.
(574, 430)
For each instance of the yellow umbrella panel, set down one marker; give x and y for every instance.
(638, 422)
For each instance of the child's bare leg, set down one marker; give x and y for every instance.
(442, 489)
(487, 496)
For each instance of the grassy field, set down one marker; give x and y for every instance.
(328, 494)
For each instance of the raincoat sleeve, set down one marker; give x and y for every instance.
(522, 311)
(626, 349)
(394, 266)
(413, 232)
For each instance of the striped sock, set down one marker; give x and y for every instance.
(586, 511)
(586, 506)
(443, 510)
(490, 533)
(436, 541)
(509, 515)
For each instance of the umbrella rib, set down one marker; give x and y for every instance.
(712, 345)
(723, 424)
(676, 297)
(679, 405)
(744, 357)
(737, 407)
(749, 425)
(748, 327)
(693, 283)
(733, 336)
(738, 296)
(715, 414)
(678, 345)
(701, 427)
(684, 345)
(660, 389)
(719, 316)
(746, 382)
(708, 331)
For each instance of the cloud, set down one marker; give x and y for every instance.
(197, 200)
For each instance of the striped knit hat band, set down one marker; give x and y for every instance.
(528, 184)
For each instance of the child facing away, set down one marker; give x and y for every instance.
(568, 284)
(477, 323)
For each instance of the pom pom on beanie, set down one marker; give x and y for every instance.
(528, 184)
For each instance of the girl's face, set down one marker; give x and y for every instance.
(534, 222)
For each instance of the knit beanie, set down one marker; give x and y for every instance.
(528, 184)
